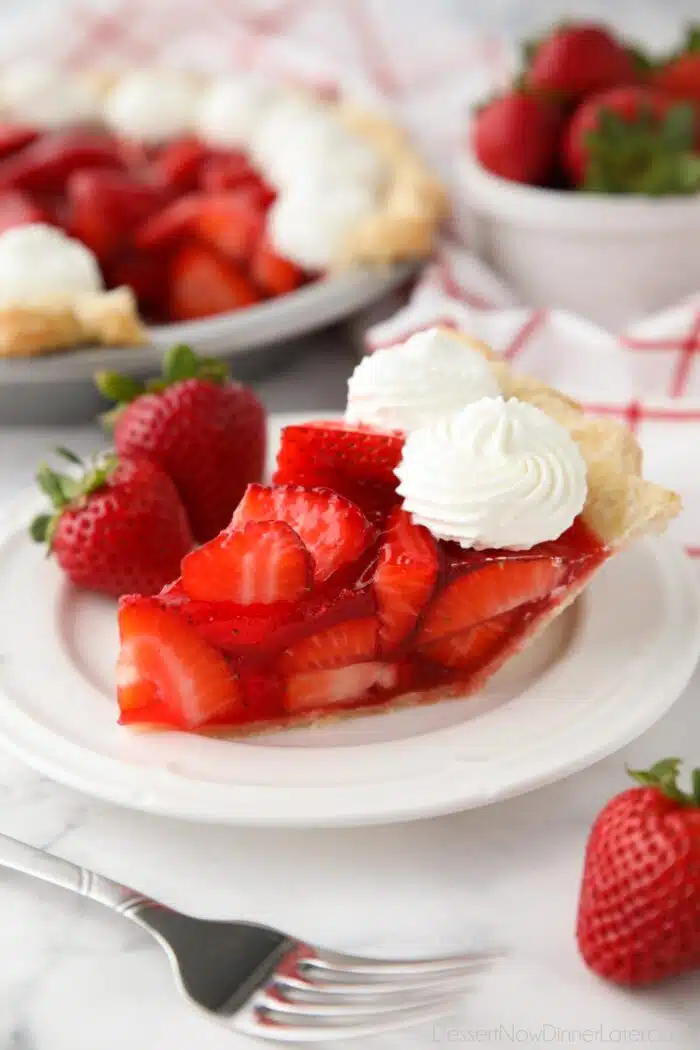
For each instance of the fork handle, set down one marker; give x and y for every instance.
(42, 865)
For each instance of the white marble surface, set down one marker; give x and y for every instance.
(75, 978)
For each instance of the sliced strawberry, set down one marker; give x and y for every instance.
(166, 674)
(225, 171)
(404, 579)
(315, 690)
(374, 500)
(262, 562)
(17, 209)
(231, 224)
(333, 529)
(487, 590)
(169, 225)
(14, 137)
(178, 164)
(472, 648)
(256, 193)
(273, 274)
(226, 221)
(173, 593)
(352, 452)
(137, 157)
(47, 164)
(105, 206)
(350, 642)
(201, 284)
(142, 272)
(242, 630)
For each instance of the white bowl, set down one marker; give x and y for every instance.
(610, 258)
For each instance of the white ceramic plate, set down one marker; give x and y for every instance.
(59, 387)
(601, 676)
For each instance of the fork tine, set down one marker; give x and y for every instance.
(337, 964)
(300, 990)
(256, 1024)
(342, 1012)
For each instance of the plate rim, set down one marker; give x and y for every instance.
(663, 556)
(256, 328)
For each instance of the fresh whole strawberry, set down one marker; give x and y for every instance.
(516, 136)
(207, 432)
(118, 528)
(632, 140)
(639, 907)
(679, 75)
(578, 60)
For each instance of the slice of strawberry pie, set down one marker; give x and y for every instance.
(400, 556)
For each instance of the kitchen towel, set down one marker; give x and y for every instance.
(422, 64)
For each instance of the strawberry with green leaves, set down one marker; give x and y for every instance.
(116, 526)
(205, 431)
(639, 908)
(633, 140)
(679, 75)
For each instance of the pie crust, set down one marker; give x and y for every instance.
(410, 209)
(621, 507)
(106, 319)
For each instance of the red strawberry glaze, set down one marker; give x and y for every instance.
(286, 657)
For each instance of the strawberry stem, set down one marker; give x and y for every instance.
(692, 39)
(179, 363)
(65, 491)
(646, 155)
(663, 775)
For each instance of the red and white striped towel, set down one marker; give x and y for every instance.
(426, 68)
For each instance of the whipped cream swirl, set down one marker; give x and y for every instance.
(498, 474)
(233, 108)
(39, 263)
(153, 105)
(34, 93)
(431, 375)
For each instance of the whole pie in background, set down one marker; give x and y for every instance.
(190, 197)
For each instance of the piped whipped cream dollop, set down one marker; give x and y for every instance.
(309, 228)
(39, 263)
(432, 375)
(305, 144)
(153, 105)
(48, 98)
(233, 108)
(498, 474)
(328, 178)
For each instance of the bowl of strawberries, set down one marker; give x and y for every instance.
(583, 178)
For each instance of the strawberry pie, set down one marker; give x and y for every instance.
(204, 195)
(400, 557)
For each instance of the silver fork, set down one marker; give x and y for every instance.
(263, 983)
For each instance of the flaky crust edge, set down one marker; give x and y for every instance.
(106, 318)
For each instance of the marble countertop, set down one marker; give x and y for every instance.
(73, 977)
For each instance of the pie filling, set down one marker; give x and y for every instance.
(256, 652)
(256, 637)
